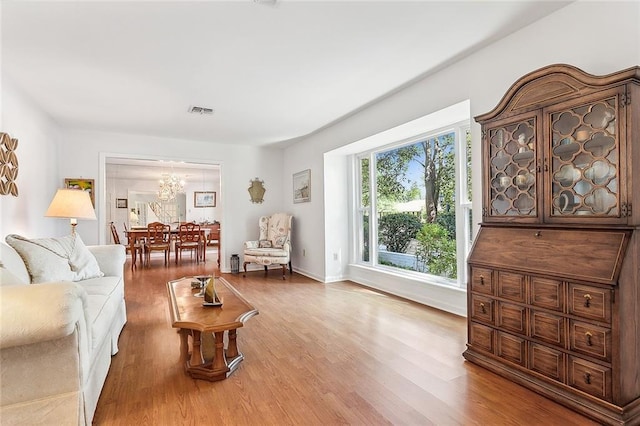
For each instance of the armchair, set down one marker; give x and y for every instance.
(274, 245)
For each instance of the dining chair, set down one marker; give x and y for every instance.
(213, 239)
(137, 248)
(189, 238)
(157, 240)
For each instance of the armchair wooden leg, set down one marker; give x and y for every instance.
(284, 268)
(290, 269)
(244, 274)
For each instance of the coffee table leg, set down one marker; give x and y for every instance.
(232, 350)
(184, 343)
(196, 350)
(219, 359)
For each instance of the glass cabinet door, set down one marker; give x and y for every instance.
(512, 169)
(584, 160)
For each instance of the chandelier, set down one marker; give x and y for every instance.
(170, 186)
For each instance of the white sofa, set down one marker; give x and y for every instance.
(57, 339)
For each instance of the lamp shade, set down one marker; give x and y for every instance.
(72, 204)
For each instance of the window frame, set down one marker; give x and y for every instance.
(463, 205)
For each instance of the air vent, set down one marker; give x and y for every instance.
(200, 110)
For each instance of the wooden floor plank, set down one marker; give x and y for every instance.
(317, 354)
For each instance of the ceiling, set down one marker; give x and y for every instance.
(272, 71)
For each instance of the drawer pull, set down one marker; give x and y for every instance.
(588, 335)
(538, 234)
(484, 310)
(481, 279)
(587, 300)
(587, 378)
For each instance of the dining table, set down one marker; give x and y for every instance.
(136, 235)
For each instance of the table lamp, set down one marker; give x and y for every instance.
(73, 204)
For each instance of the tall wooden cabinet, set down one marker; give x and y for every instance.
(554, 273)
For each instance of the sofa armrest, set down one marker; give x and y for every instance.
(40, 312)
(251, 244)
(110, 258)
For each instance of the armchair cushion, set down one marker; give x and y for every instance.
(264, 244)
(56, 259)
(274, 252)
(251, 244)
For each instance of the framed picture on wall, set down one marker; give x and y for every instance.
(83, 184)
(302, 186)
(204, 199)
(121, 203)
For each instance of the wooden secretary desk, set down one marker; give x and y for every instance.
(554, 273)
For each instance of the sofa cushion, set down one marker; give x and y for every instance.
(55, 259)
(104, 295)
(12, 271)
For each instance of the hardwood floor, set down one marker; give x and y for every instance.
(317, 354)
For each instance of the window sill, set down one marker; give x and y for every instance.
(433, 291)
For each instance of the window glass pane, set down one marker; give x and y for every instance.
(364, 182)
(416, 204)
(469, 226)
(364, 232)
(363, 217)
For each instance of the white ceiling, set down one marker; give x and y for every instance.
(272, 72)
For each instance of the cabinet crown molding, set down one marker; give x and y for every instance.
(546, 85)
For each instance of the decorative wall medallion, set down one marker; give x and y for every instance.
(257, 190)
(8, 165)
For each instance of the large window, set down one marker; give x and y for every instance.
(414, 205)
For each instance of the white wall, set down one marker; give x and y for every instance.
(599, 37)
(38, 176)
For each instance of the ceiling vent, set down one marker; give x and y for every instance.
(200, 110)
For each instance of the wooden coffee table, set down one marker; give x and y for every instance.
(201, 322)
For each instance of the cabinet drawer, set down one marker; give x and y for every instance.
(590, 302)
(481, 280)
(590, 339)
(547, 293)
(547, 361)
(481, 336)
(512, 318)
(511, 286)
(590, 377)
(511, 348)
(549, 328)
(482, 309)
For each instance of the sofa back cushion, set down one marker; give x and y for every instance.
(12, 268)
(55, 259)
